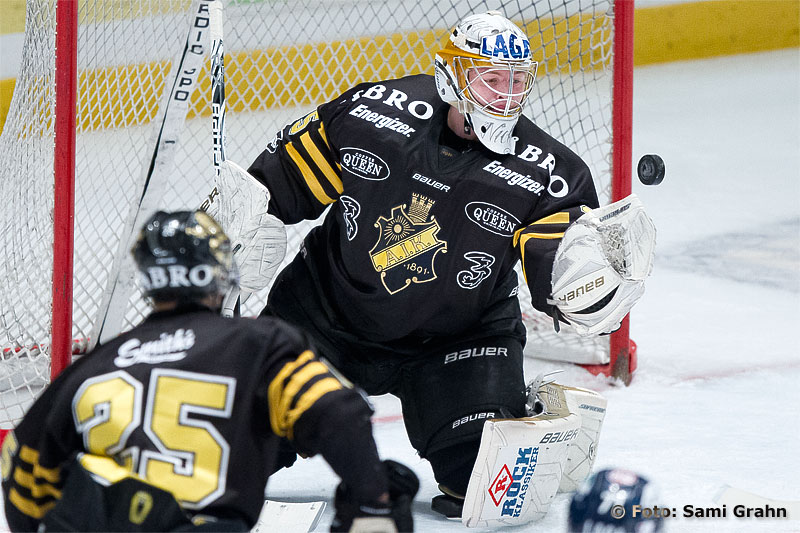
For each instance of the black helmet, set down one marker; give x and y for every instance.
(184, 255)
(605, 502)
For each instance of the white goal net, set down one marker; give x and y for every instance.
(283, 57)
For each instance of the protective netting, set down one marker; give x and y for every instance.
(282, 58)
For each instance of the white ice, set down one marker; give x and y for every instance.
(714, 401)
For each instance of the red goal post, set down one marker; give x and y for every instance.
(282, 58)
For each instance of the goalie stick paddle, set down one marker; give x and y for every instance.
(231, 301)
(290, 517)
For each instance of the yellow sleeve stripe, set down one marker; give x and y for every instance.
(323, 134)
(524, 238)
(522, 242)
(317, 391)
(543, 235)
(556, 218)
(308, 174)
(27, 506)
(325, 138)
(519, 233)
(296, 382)
(275, 390)
(321, 162)
(31, 456)
(28, 480)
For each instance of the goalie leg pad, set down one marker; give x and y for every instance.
(591, 406)
(544, 396)
(519, 469)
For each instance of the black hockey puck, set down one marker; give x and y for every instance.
(651, 169)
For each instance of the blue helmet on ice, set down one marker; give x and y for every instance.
(604, 503)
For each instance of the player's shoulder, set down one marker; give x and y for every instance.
(417, 85)
(414, 95)
(532, 139)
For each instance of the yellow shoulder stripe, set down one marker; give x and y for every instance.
(308, 174)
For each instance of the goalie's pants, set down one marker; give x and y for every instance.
(448, 386)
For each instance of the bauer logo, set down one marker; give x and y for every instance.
(364, 164)
(492, 218)
(471, 418)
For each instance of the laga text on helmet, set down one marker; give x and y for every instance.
(506, 46)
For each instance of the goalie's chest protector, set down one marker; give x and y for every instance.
(424, 234)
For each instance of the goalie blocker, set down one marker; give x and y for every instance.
(523, 463)
(239, 203)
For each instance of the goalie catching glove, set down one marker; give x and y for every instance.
(239, 203)
(601, 264)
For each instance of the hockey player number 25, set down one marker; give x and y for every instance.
(193, 456)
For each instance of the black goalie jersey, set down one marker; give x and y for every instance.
(195, 404)
(421, 239)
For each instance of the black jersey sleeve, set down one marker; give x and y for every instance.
(33, 456)
(301, 165)
(300, 171)
(538, 240)
(319, 413)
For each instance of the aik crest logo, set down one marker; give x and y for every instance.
(407, 245)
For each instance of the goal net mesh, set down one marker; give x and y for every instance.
(282, 59)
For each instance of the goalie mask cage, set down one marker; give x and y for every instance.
(282, 58)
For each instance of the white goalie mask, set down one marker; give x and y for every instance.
(486, 72)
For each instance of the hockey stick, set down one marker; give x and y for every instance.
(231, 301)
(733, 497)
(169, 124)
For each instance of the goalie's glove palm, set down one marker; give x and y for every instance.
(258, 238)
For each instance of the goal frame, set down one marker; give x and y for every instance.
(66, 79)
(622, 350)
